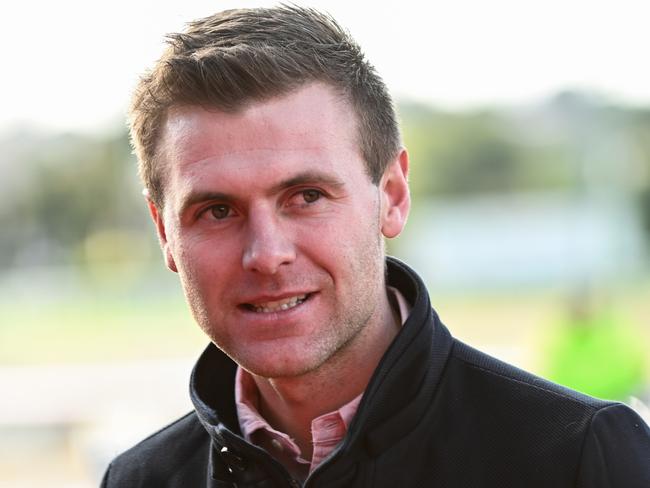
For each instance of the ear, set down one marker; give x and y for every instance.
(395, 197)
(156, 216)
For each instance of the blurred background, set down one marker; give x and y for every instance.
(528, 127)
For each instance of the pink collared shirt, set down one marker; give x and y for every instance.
(327, 431)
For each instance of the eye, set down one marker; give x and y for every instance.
(220, 211)
(310, 196)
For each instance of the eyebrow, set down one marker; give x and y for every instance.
(303, 178)
(194, 197)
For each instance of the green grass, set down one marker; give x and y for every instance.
(87, 329)
(98, 326)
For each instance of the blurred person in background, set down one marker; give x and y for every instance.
(274, 169)
(592, 351)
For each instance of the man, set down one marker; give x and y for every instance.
(272, 160)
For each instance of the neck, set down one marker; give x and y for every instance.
(290, 404)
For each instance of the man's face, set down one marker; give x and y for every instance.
(275, 228)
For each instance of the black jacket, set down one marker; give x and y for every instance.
(435, 413)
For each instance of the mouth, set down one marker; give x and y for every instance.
(277, 305)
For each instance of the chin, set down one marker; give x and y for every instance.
(279, 366)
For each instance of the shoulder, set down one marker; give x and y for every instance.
(180, 446)
(537, 401)
(521, 417)
(616, 447)
(510, 384)
(517, 408)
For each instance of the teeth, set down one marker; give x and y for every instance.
(278, 305)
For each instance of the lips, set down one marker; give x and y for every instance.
(276, 305)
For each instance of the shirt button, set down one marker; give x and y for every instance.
(276, 444)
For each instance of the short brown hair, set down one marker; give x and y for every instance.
(240, 56)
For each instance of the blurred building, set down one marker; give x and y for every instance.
(533, 239)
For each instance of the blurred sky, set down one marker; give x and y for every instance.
(71, 64)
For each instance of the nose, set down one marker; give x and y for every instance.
(268, 246)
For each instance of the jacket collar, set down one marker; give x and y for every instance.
(406, 378)
(397, 396)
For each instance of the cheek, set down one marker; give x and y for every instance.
(344, 249)
(199, 269)
(324, 245)
(203, 250)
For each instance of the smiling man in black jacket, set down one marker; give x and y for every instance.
(274, 169)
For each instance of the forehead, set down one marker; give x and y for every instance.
(312, 125)
(312, 116)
